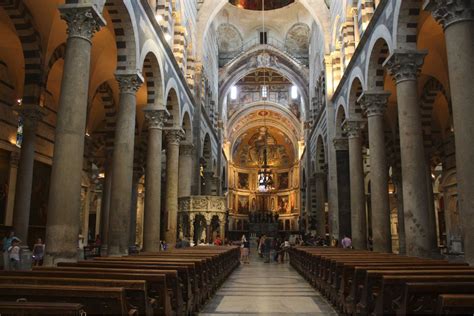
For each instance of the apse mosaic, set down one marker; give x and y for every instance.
(249, 148)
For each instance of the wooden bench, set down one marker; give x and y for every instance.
(353, 279)
(181, 290)
(373, 283)
(162, 285)
(135, 290)
(455, 304)
(22, 308)
(96, 300)
(422, 297)
(391, 291)
(189, 272)
(353, 282)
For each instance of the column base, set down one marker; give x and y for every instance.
(116, 252)
(103, 250)
(52, 259)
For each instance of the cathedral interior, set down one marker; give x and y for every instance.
(126, 123)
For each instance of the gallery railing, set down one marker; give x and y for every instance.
(225, 58)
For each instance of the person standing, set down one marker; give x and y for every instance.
(243, 251)
(38, 252)
(267, 247)
(14, 254)
(346, 242)
(7, 242)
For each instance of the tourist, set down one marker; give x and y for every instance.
(7, 242)
(346, 242)
(261, 246)
(285, 246)
(243, 240)
(163, 245)
(97, 241)
(179, 243)
(218, 241)
(267, 247)
(245, 249)
(14, 254)
(38, 252)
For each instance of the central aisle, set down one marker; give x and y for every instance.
(266, 288)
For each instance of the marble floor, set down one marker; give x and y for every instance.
(266, 289)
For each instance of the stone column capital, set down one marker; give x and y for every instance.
(374, 103)
(83, 20)
(353, 127)
(447, 12)
(404, 64)
(340, 143)
(129, 82)
(174, 136)
(155, 117)
(186, 149)
(31, 114)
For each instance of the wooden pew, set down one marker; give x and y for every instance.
(162, 286)
(182, 291)
(373, 283)
(455, 304)
(40, 308)
(96, 300)
(422, 297)
(354, 277)
(390, 293)
(135, 290)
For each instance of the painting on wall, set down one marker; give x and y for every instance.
(283, 181)
(243, 182)
(283, 205)
(243, 204)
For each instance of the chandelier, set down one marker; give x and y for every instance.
(265, 180)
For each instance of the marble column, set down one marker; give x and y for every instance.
(320, 183)
(209, 181)
(62, 227)
(356, 169)
(152, 217)
(404, 66)
(343, 186)
(457, 19)
(397, 181)
(173, 139)
(122, 165)
(31, 115)
(222, 226)
(374, 103)
(85, 215)
(191, 228)
(105, 206)
(186, 151)
(12, 178)
(132, 241)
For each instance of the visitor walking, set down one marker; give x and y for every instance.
(14, 254)
(346, 242)
(38, 252)
(7, 242)
(244, 250)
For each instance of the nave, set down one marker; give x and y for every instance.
(266, 288)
